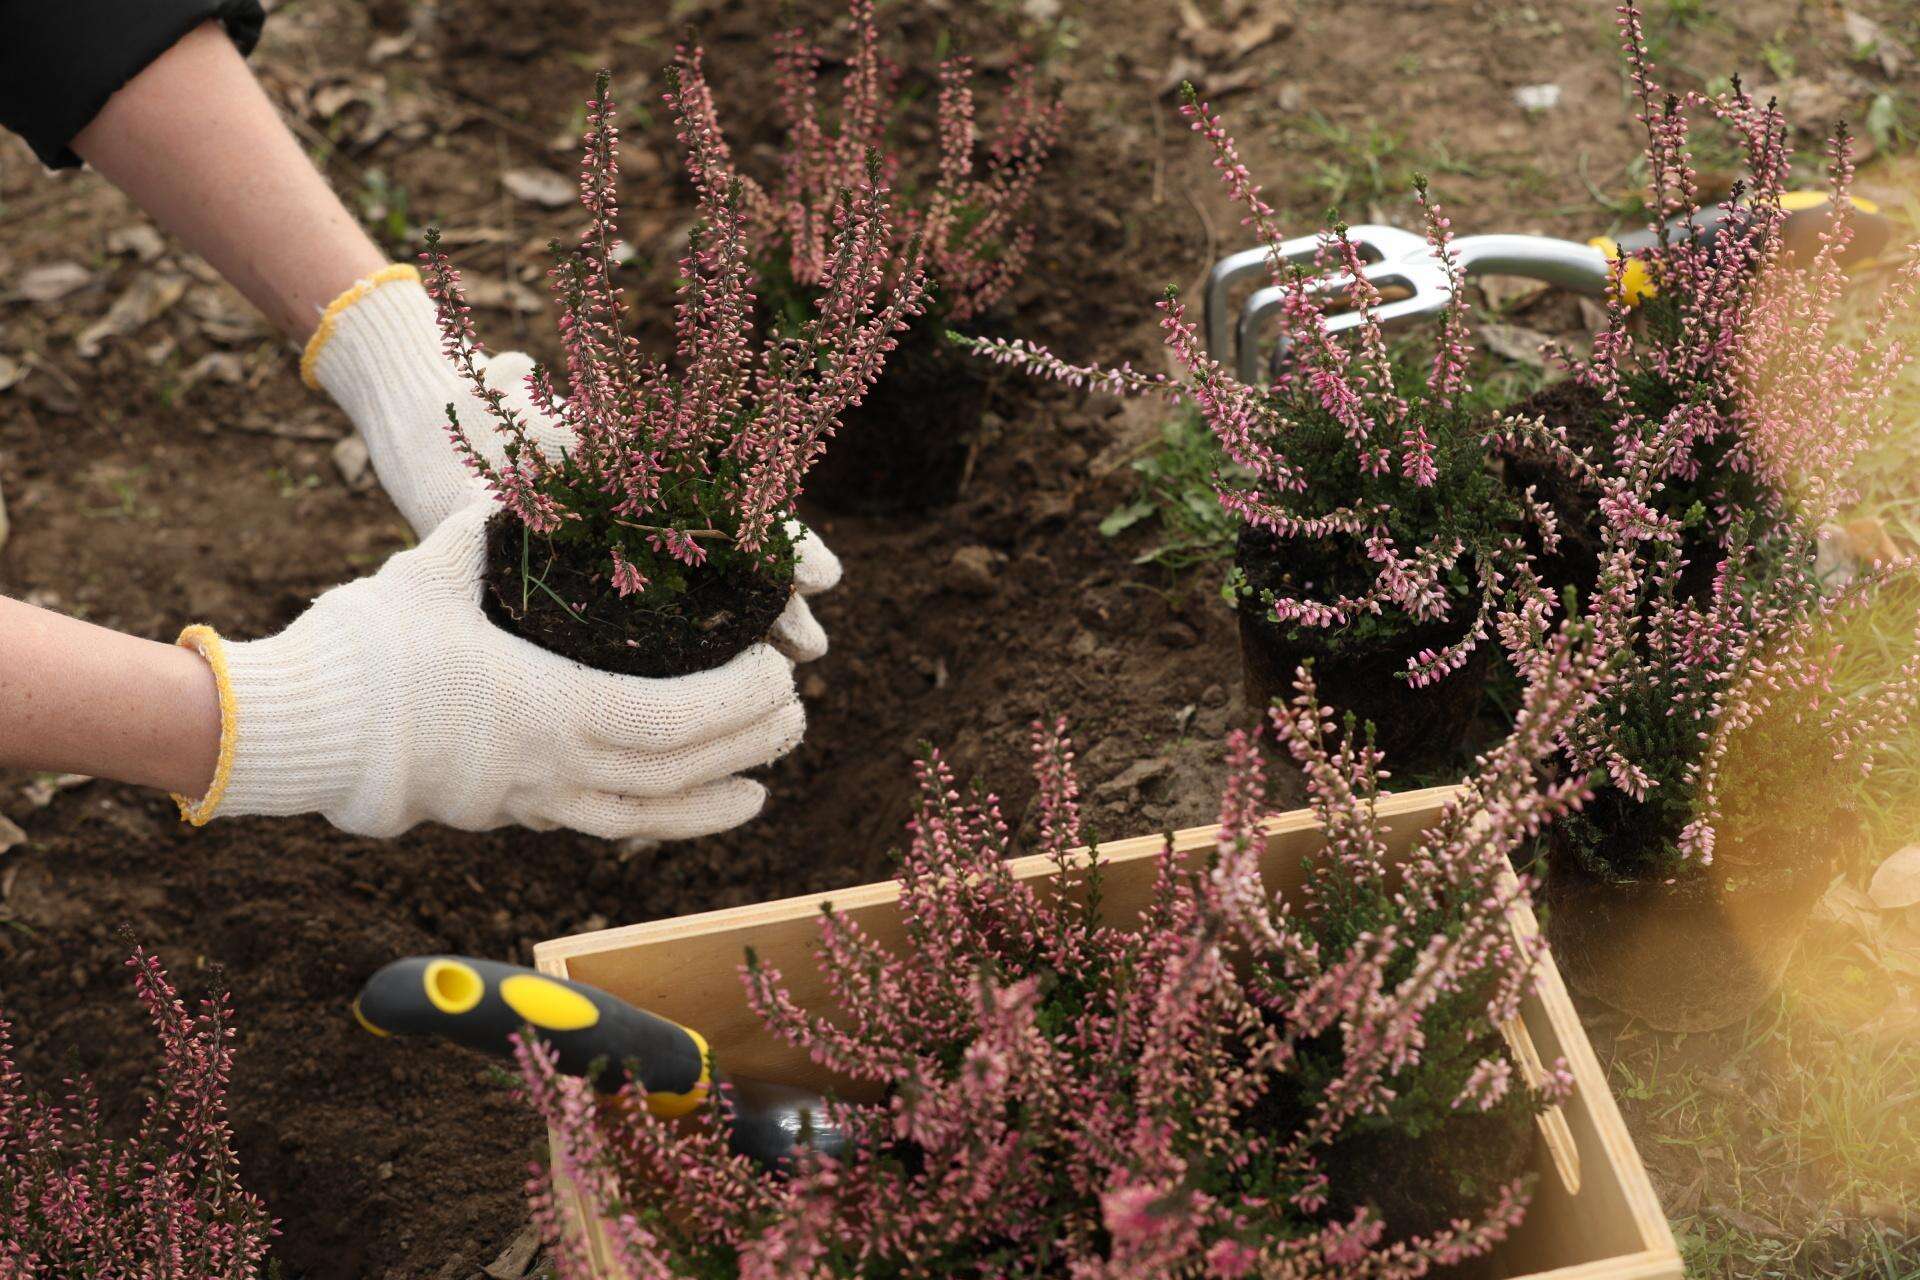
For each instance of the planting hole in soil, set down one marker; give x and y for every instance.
(909, 446)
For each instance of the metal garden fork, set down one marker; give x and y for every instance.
(1405, 261)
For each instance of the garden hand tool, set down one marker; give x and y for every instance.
(602, 1039)
(393, 700)
(378, 352)
(1402, 262)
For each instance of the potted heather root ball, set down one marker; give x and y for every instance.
(909, 445)
(1732, 743)
(1736, 746)
(1378, 540)
(659, 540)
(1157, 1065)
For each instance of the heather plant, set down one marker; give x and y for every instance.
(678, 472)
(1178, 1094)
(1362, 468)
(165, 1204)
(966, 209)
(1732, 409)
(1727, 387)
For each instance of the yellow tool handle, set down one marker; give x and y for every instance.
(480, 1003)
(1809, 213)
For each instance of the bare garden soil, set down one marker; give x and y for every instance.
(182, 474)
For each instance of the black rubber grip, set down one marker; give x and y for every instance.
(480, 1003)
(1872, 232)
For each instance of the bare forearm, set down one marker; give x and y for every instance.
(195, 141)
(76, 698)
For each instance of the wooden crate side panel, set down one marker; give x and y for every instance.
(1616, 1217)
(688, 969)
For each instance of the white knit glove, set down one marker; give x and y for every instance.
(377, 352)
(392, 701)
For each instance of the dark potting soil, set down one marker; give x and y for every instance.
(908, 446)
(1355, 668)
(1576, 562)
(1417, 1185)
(709, 625)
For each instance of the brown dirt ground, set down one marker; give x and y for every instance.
(145, 503)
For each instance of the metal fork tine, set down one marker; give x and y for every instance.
(1237, 267)
(1227, 273)
(1387, 313)
(1429, 294)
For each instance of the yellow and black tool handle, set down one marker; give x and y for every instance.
(480, 1003)
(1809, 214)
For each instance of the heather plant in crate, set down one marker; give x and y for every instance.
(966, 207)
(1733, 740)
(75, 1200)
(659, 541)
(1231, 1084)
(1376, 538)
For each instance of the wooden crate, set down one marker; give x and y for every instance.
(1594, 1215)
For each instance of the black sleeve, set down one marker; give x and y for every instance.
(59, 63)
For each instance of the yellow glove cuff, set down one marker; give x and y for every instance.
(206, 642)
(331, 316)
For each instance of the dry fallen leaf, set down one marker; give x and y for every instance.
(1896, 884)
(11, 836)
(351, 460)
(146, 300)
(217, 366)
(543, 187)
(386, 47)
(1868, 540)
(40, 792)
(223, 315)
(1867, 36)
(1537, 97)
(1847, 906)
(1527, 346)
(1510, 293)
(501, 295)
(314, 423)
(11, 371)
(52, 282)
(139, 240)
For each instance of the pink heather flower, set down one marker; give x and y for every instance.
(675, 464)
(1487, 1085)
(1774, 396)
(1045, 1084)
(967, 219)
(627, 580)
(1230, 1260)
(76, 1200)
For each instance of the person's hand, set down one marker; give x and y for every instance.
(377, 352)
(393, 700)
